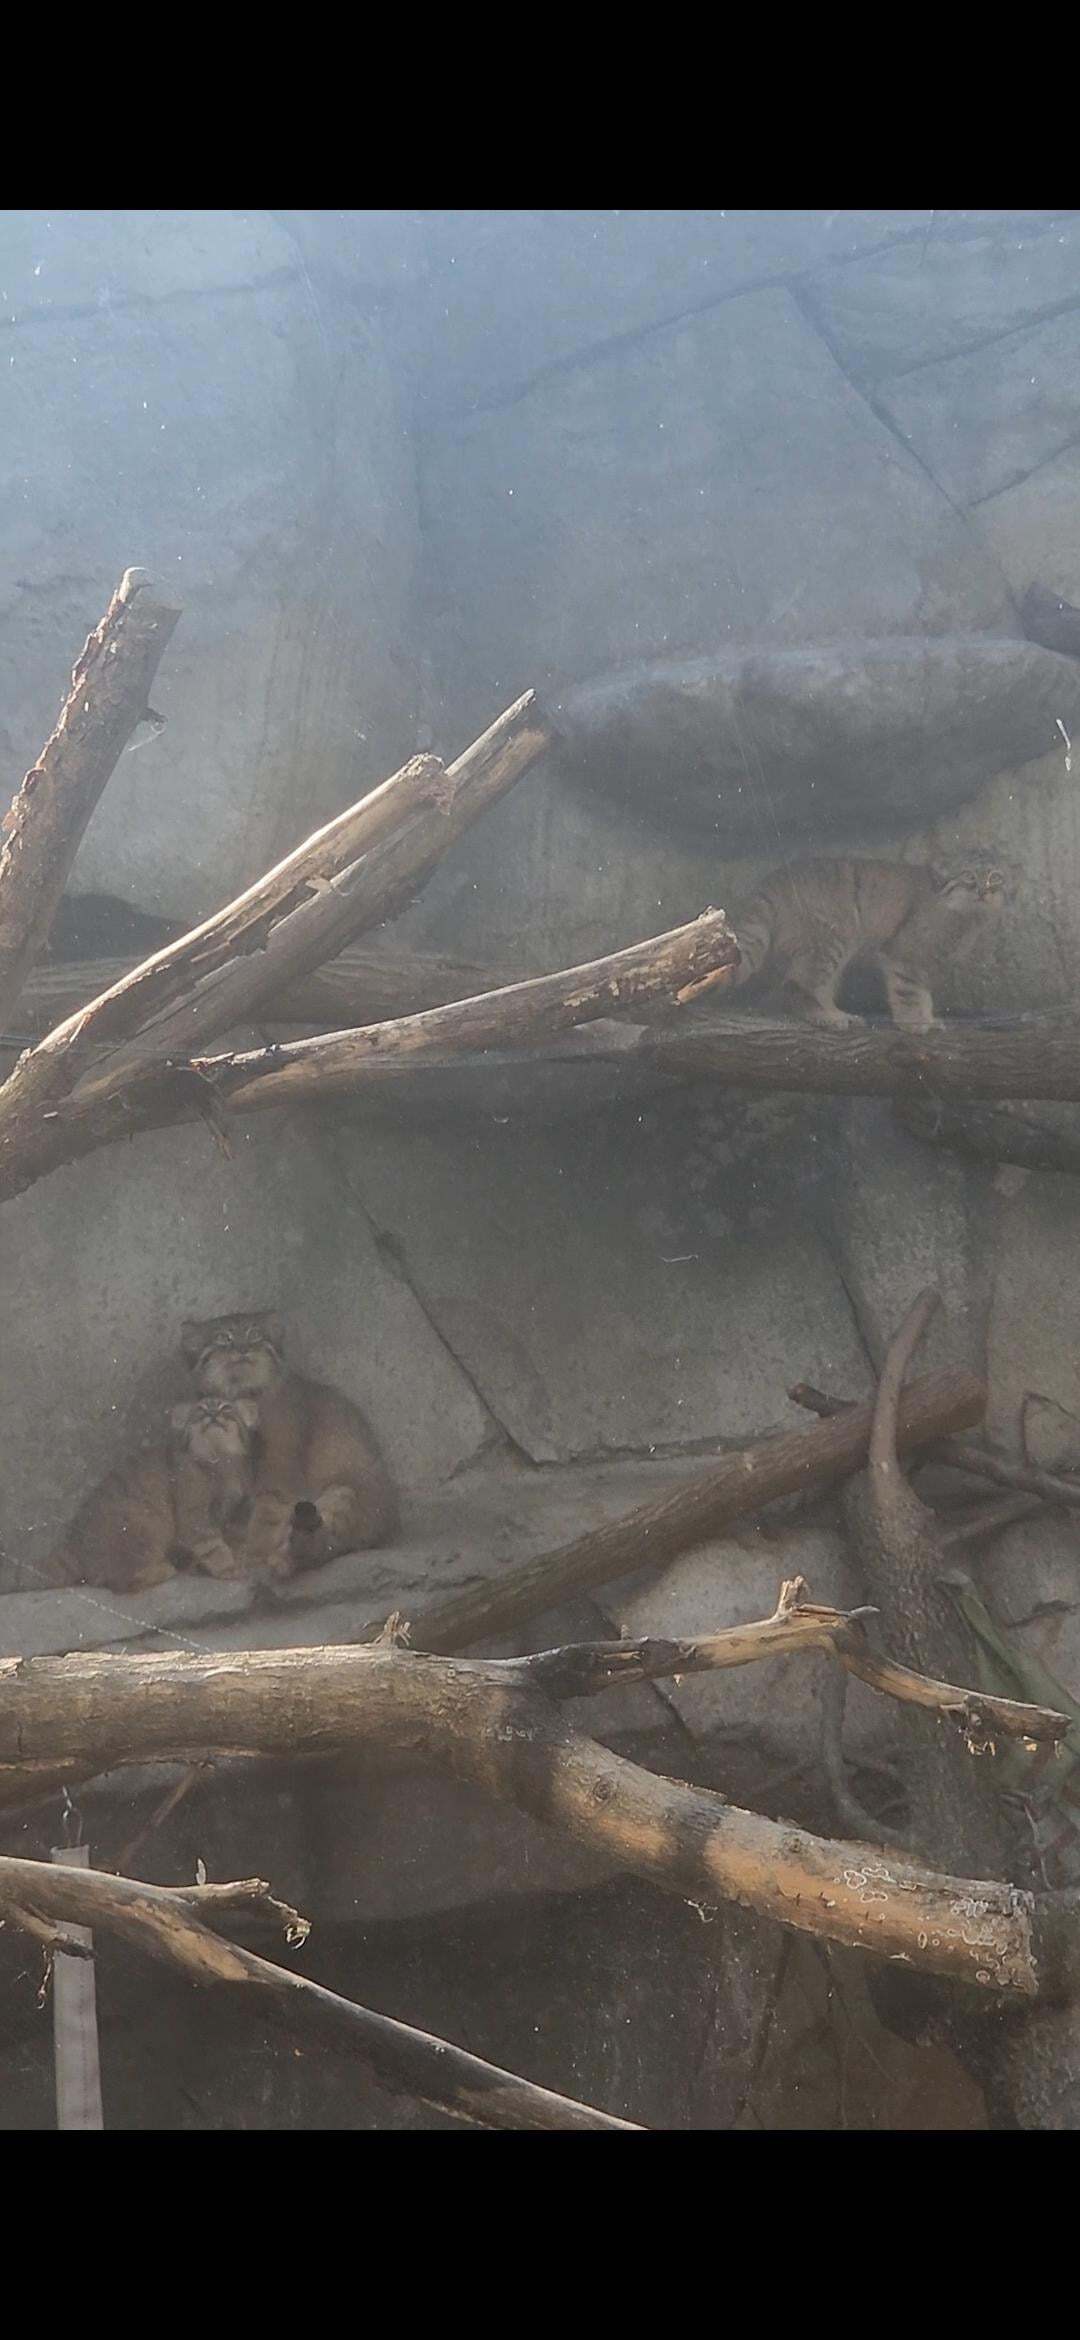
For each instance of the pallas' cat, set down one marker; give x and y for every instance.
(167, 1506)
(321, 1485)
(811, 922)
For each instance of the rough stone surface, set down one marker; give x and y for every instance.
(714, 483)
(509, 294)
(272, 496)
(1032, 1330)
(1034, 527)
(620, 1344)
(903, 1216)
(936, 296)
(990, 417)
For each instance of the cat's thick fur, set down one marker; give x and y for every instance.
(167, 1507)
(813, 921)
(321, 1485)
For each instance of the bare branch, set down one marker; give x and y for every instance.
(961, 1455)
(799, 1625)
(160, 1920)
(359, 870)
(488, 1722)
(738, 1484)
(1029, 1058)
(365, 984)
(48, 818)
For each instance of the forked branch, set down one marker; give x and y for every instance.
(174, 1924)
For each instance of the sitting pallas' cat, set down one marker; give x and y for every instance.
(166, 1507)
(810, 923)
(321, 1485)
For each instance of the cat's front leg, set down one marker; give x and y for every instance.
(268, 1540)
(214, 1557)
(911, 1005)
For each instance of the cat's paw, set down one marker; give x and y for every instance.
(214, 1558)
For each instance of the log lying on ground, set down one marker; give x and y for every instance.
(106, 703)
(739, 1483)
(174, 1925)
(676, 966)
(489, 1723)
(364, 985)
(988, 1133)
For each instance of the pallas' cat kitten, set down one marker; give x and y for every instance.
(321, 1485)
(168, 1506)
(813, 921)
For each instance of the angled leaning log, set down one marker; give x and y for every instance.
(107, 701)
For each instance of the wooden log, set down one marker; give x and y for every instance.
(961, 1454)
(677, 965)
(170, 1925)
(514, 1743)
(48, 817)
(362, 868)
(655, 1533)
(1026, 1058)
(362, 986)
(359, 870)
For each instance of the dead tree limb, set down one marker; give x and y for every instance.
(799, 1625)
(363, 985)
(961, 1454)
(107, 701)
(652, 1535)
(1026, 1059)
(360, 869)
(676, 966)
(509, 1739)
(174, 1925)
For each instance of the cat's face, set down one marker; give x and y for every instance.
(215, 1430)
(234, 1356)
(973, 886)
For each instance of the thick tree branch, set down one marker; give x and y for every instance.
(365, 984)
(799, 1625)
(170, 1924)
(649, 1537)
(961, 1454)
(489, 1726)
(1027, 1058)
(42, 832)
(677, 965)
(359, 870)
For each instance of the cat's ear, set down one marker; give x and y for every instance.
(191, 1341)
(247, 1412)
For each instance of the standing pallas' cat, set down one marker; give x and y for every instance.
(321, 1485)
(811, 922)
